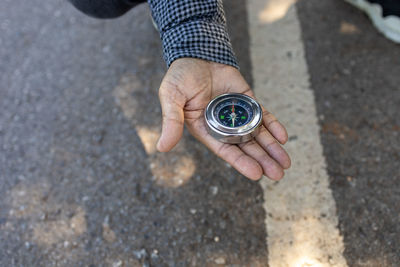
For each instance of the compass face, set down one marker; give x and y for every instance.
(233, 118)
(233, 112)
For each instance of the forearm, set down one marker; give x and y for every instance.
(194, 28)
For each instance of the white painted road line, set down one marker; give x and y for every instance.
(301, 213)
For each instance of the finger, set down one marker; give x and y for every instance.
(232, 154)
(172, 119)
(270, 167)
(271, 146)
(277, 130)
(238, 160)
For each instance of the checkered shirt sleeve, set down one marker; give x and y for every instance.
(193, 28)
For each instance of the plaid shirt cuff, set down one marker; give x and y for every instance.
(194, 28)
(198, 39)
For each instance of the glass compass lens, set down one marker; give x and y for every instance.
(233, 112)
(233, 118)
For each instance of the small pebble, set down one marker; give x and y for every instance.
(220, 260)
(214, 190)
(154, 254)
(140, 253)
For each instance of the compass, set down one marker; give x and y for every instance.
(233, 118)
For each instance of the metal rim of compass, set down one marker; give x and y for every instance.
(235, 135)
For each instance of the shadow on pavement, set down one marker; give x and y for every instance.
(85, 186)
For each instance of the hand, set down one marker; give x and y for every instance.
(185, 91)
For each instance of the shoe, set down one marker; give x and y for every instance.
(385, 15)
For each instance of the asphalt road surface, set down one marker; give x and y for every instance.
(81, 183)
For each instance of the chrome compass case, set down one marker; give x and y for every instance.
(233, 118)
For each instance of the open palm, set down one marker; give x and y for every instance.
(185, 91)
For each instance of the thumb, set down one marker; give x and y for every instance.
(172, 104)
